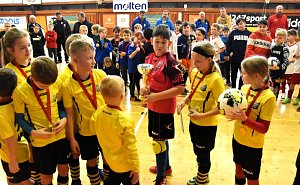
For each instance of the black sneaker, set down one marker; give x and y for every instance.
(160, 181)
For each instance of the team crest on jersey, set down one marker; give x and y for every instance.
(203, 88)
(98, 88)
(159, 63)
(255, 105)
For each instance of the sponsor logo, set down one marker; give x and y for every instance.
(130, 5)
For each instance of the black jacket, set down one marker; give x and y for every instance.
(62, 28)
(87, 23)
(237, 43)
(37, 41)
(30, 27)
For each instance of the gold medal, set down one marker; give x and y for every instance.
(243, 131)
(197, 109)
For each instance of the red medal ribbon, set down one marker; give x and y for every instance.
(93, 99)
(254, 99)
(20, 69)
(201, 79)
(47, 110)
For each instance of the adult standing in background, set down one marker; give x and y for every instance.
(32, 23)
(141, 20)
(7, 26)
(83, 21)
(165, 20)
(278, 20)
(202, 23)
(63, 30)
(224, 19)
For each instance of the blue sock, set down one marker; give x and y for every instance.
(161, 160)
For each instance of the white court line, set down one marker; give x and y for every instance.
(140, 120)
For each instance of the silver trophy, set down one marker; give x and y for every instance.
(145, 69)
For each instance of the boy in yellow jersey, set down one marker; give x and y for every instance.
(115, 132)
(14, 151)
(39, 96)
(63, 76)
(82, 90)
(251, 126)
(207, 85)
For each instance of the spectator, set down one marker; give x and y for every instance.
(277, 20)
(38, 42)
(141, 20)
(224, 19)
(51, 37)
(32, 23)
(7, 26)
(83, 21)
(202, 23)
(63, 30)
(83, 29)
(165, 20)
(236, 47)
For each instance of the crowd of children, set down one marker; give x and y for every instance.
(77, 112)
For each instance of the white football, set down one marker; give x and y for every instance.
(273, 61)
(232, 100)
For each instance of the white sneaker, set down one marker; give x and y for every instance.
(283, 96)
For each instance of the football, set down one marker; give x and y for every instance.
(232, 100)
(273, 61)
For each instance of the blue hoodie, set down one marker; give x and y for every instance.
(145, 23)
(101, 51)
(168, 23)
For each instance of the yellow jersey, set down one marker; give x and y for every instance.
(206, 96)
(9, 129)
(263, 108)
(66, 73)
(25, 101)
(26, 69)
(115, 133)
(74, 94)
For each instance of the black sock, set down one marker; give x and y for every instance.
(35, 175)
(93, 174)
(75, 170)
(62, 180)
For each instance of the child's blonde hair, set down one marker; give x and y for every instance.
(281, 32)
(80, 46)
(102, 29)
(76, 37)
(112, 86)
(216, 25)
(8, 41)
(107, 59)
(96, 27)
(256, 65)
(138, 26)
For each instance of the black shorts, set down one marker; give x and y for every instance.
(48, 157)
(249, 158)
(89, 146)
(160, 126)
(22, 175)
(114, 178)
(202, 137)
